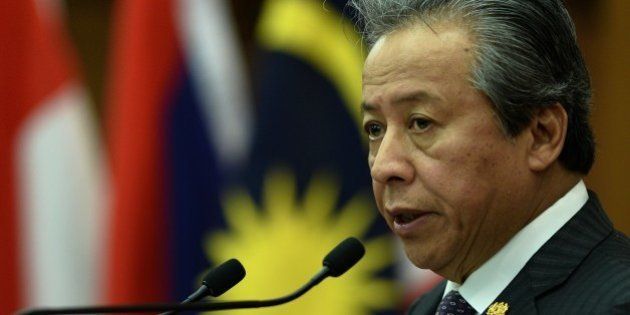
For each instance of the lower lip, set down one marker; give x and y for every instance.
(410, 228)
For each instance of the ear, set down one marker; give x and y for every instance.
(548, 129)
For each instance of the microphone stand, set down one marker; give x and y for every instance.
(337, 262)
(212, 306)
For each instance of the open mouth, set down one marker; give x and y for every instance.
(405, 218)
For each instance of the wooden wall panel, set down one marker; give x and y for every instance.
(604, 34)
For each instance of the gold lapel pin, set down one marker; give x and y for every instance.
(497, 308)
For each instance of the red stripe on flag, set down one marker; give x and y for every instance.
(34, 63)
(144, 62)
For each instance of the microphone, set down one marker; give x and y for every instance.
(344, 256)
(337, 262)
(217, 281)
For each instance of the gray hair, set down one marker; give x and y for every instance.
(527, 58)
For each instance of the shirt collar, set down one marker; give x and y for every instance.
(485, 284)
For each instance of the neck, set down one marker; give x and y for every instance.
(552, 186)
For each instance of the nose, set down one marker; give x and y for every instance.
(391, 161)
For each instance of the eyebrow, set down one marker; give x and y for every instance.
(418, 96)
(365, 107)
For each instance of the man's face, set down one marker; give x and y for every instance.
(446, 178)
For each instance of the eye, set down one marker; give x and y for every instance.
(420, 124)
(374, 130)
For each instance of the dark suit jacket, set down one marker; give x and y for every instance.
(583, 269)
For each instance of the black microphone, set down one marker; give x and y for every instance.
(217, 281)
(344, 256)
(337, 262)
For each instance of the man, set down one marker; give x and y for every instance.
(477, 118)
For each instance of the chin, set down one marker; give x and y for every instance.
(423, 258)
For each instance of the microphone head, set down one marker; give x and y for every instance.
(344, 256)
(223, 277)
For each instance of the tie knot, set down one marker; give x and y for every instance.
(454, 304)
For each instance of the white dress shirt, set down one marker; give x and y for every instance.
(485, 284)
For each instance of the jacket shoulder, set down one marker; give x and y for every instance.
(611, 263)
(615, 248)
(600, 284)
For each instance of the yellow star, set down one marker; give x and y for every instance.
(281, 241)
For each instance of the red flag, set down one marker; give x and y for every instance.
(145, 56)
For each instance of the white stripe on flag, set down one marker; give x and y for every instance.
(62, 200)
(215, 62)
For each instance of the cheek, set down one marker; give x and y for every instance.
(378, 194)
(461, 176)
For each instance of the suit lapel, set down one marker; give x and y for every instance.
(429, 301)
(557, 259)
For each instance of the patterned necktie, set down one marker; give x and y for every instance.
(454, 304)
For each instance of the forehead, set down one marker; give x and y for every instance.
(418, 51)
